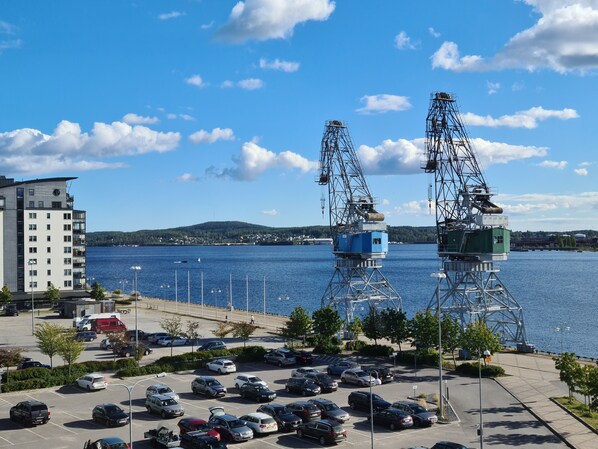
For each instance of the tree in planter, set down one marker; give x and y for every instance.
(5, 295)
(222, 330)
(173, 327)
(52, 294)
(298, 325)
(48, 337)
(355, 328)
(567, 366)
(424, 330)
(372, 326)
(69, 349)
(243, 330)
(10, 357)
(477, 338)
(395, 326)
(191, 333)
(97, 292)
(451, 336)
(327, 323)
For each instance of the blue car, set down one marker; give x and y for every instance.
(336, 368)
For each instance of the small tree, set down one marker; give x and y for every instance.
(10, 357)
(191, 332)
(48, 337)
(327, 322)
(298, 325)
(173, 327)
(222, 330)
(52, 294)
(243, 330)
(372, 326)
(395, 326)
(567, 366)
(70, 349)
(355, 327)
(451, 336)
(97, 292)
(117, 341)
(424, 330)
(477, 338)
(5, 295)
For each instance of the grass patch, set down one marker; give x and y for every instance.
(580, 410)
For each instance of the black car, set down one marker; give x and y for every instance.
(302, 386)
(323, 430)
(448, 445)
(109, 414)
(330, 410)
(129, 350)
(421, 416)
(379, 372)
(11, 310)
(285, 418)
(303, 357)
(32, 364)
(392, 418)
(199, 440)
(324, 381)
(257, 392)
(130, 335)
(30, 413)
(360, 400)
(305, 410)
(212, 345)
(208, 386)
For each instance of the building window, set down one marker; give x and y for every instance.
(67, 238)
(32, 227)
(67, 261)
(67, 250)
(49, 261)
(32, 250)
(32, 215)
(33, 284)
(48, 227)
(49, 284)
(49, 272)
(67, 216)
(32, 192)
(49, 249)
(32, 273)
(68, 283)
(48, 238)
(31, 204)
(40, 204)
(33, 238)
(48, 215)
(67, 272)
(67, 227)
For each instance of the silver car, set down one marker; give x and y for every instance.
(357, 376)
(164, 406)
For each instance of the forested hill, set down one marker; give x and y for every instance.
(236, 232)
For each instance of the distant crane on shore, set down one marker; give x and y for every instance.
(471, 231)
(359, 233)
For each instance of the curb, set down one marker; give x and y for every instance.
(570, 413)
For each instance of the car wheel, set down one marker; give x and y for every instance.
(362, 384)
(352, 405)
(12, 417)
(392, 426)
(304, 393)
(329, 371)
(163, 415)
(195, 391)
(300, 433)
(219, 371)
(88, 388)
(280, 364)
(237, 386)
(322, 441)
(287, 389)
(149, 410)
(343, 380)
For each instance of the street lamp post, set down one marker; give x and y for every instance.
(130, 390)
(372, 408)
(562, 329)
(31, 263)
(216, 292)
(439, 275)
(135, 269)
(481, 429)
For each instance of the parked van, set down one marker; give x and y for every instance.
(84, 324)
(107, 325)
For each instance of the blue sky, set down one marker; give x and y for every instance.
(173, 113)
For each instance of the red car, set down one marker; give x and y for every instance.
(187, 425)
(304, 357)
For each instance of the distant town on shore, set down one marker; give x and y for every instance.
(241, 233)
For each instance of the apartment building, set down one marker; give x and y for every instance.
(41, 236)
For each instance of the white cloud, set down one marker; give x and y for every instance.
(383, 103)
(564, 39)
(227, 84)
(171, 15)
(559, 165)
(585, 164)
(522, 119)
(272, 212)
(187, 177)
(251, 84)
(29, 151)
(255, 160)
(492, 87)
(207, 26)
(277, 64)
(420, 207)
(9, 29)
(195, 80)
(535, 203)
(187, 117)
(581, 171)
(517, 86)
(134, 119)
(216, 134)
(433, 32)
(403, 42)
(271, 19)
(171, 116)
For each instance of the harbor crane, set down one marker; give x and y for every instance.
(471, 231)
(359, 233)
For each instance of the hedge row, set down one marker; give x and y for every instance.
(472, 369)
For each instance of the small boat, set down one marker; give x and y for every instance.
(180, 261)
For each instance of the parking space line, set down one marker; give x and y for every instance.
(63, 428)
(9, 442)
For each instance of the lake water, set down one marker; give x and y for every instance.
(555, 289)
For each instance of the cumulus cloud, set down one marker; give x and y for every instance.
(187, 177)
(30, 151)
(255, 160)
(8, 29)
(564, 39)
(581, 171)
(559, 165)
(403, 42)
(216, 134)
(170, 15)
(207, 26)
(413, 208)
(277, 64)
(492, 87)
(251, 84)
(535, 203)
(433, 32)
(271, 19)
(195, 80)
(134, 119)
(272, 212)
(378, 104)
(522, 119)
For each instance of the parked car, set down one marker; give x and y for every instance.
(305, 410)
(337, 368)
(302, 386)
(212, 345)
(106, 343)
(382, 373)
(326, 383)
(359, 377)
(285, 418)
(260, 423)
(187, 425)
(165, 406)
(161, 389)
(229, 426)
(155, 336)
(360, 400)
(303, 357)
(257, 392)
(30, 413)
(421, 417)
(110, 415)
(330, 410)
(86, 336)
(242, 379)
(92, 382)
(32, 364)
(11, 310)
(199, 440)
(173, 341)
(280, 358)
(392, 418)
(107, 443)
(448, 445)
(208, 386)
(301, 372)
(130, 335)
(222, 366)
(323, 430)
(129, 349)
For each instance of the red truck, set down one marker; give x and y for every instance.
(107, 325)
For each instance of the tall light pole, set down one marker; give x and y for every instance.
(562, 329)
(372, 409)
(439, 276)
(130, 390)
(31, 263)
(481, 429)
(216, 292)
(176, 290)
(135, 269)
(264, 298)
(202, 293)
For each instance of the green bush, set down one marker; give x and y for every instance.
(376, 350)
(472, 369)
(355, 345)
(251, 354)
(331, 346)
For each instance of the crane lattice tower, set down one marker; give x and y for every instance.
(359, 233)
(471, 231)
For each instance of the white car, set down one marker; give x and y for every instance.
(161, 389)
(169, 341)
(260, 423)
(300, 372)
(242, 379)
(222, 366)
(357, 376)
(92, 382)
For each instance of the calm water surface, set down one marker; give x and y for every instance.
(555, 289)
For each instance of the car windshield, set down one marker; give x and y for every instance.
(337, 428)
(361, 373)
(111, 409)
(283, 411)
(38, 407)
(164, 390)
(324, 378)
(268, 420)
(118, 446)
(211, 383)
(254, 379)
(97, 379)
(235, 424)
(169, 402)
(376, 397)
(228, 363)
(330, 407)
(417, 408)
(310, 384)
